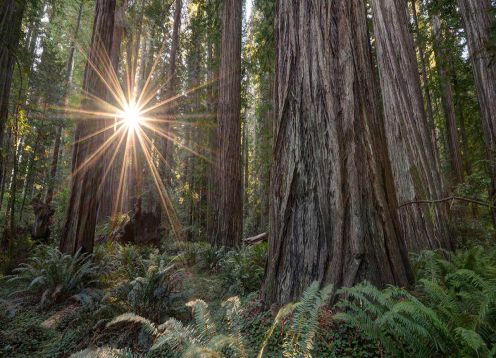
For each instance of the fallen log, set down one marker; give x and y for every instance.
(256, 239)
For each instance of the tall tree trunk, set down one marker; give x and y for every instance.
(478, 23)
(79, 228)
(330, 219)
(411, 149)
(172, 82)
(108, 198)
(11, 13)
(54, 166)
(230, 200)
(448, 102)
(425, 81)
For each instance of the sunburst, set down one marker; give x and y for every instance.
(131, 121)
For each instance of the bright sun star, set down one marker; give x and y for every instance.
(131, 117)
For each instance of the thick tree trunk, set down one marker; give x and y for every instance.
(411, 149)
(79, 229)
(230, 200)
(479, 21)
(331, 216)
(108, 206)
(447, 98)
(11, 13)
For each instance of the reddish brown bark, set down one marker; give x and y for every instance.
(447, 98)
(79, 228)
(11, 13)
(479, 21)
(331, 218)
(229, 184)
(411, 148)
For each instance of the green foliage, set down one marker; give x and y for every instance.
(51, 276)
(453, 315)
(299, 339)
(199, 339)
(157, 294)
(242, 270)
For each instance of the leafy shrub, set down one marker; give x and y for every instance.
(51, 276)
(242, 270)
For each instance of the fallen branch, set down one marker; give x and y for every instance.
(255, 239)
(450, 198)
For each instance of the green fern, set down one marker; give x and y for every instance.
(453, 311)
(299, 340)
(51, 276)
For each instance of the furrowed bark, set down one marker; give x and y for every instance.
(11, 13)
(478, 23)
(229, 220)
(79, 228)
(332, 217)
(411, 148)
(447, 99)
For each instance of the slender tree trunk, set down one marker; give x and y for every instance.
(11, 13)
(411, 149)
(54, 166)
(330, 217)
(29, 177)
(479, 21)
(230, 200)
(448, 102)
(79, 228)
(212, 144)
(171, 85)
(425, 82)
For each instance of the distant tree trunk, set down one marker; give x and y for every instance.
(11, 13)
(447, 98)
(230, 200)
(411, 149)
(330, 218)
(479, 21)
(72, 49)
(79, 228)
(425, 82)
(172, 81)
(212, 144)
(54, 166)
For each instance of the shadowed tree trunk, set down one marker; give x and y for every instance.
(478, 23)
(331, 217)
(108, 206)
(229, 181)
(79, 228)
(425, 80)
(447, 98)
(411, 149)
(11, 13)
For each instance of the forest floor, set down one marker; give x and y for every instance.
(49, 322)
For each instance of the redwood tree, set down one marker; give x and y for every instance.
(230, 199)
(411, 149)
(332, 218)
(11, 13)
(479, 20)
(79, 228)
